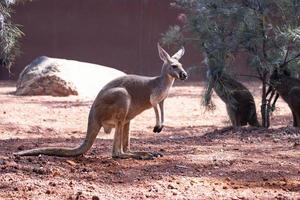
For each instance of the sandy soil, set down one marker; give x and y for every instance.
(203, 158)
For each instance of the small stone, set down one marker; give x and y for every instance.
(2, 162)
(52, 184)
(71, 162)
(171, 186)
(39, 170)
(85, 170)
(192, 182)
(95, 198)
(227, 179)
(55, 173)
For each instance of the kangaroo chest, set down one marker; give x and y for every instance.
(159, 95)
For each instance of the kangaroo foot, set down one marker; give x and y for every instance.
(141, 155)
(157, 129)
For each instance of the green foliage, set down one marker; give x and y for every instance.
(267, 30)
(270, 33)
(211, 26)
(10, 34)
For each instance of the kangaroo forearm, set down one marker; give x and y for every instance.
(158, 122)
(161, 106)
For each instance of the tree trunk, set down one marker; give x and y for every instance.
(264, 104)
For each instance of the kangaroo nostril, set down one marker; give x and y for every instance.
(183, 75)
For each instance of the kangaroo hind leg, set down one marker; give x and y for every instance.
(294, 98)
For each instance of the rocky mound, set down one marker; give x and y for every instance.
(61, 77)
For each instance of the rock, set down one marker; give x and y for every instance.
(170, 186)
(40, 171)
(2, 162)
(61, 77)
(95, 198)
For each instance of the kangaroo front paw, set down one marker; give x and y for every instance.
(157, 129)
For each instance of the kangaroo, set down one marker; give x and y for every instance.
(119, 102)
(289, 89)
(239, 102)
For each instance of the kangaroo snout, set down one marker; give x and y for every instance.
(183, 76)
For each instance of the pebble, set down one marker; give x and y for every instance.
(95, 198)
(171, 186)
(2, 162)
(37, 170)
(52, 184)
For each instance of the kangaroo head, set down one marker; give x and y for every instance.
(172, 66)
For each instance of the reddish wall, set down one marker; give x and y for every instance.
(118, 33)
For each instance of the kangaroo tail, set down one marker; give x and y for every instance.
(92, 132)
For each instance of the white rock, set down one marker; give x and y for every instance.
(61, 77)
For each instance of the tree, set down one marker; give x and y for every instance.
(267, 30)
(209, 25)
(10, 34)
(270, 35)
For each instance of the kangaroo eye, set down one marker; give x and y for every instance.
(174, 66)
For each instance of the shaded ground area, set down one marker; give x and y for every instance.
(203, 157)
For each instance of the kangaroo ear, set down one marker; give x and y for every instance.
(164, 56)
(179, 54)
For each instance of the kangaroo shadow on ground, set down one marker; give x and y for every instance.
(185, 155)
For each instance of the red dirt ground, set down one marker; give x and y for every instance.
(203, 158)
